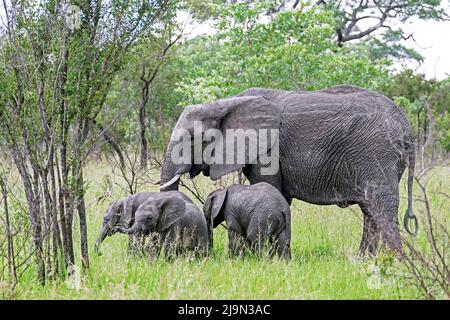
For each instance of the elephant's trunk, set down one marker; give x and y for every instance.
(134, 229)
(101, 237)
(169, 179)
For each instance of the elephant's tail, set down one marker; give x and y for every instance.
(409, 214)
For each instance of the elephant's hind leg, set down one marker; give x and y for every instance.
(383, 210)
(236, 243)
(387, 221)
(258, 244)
(283, 246)
(370, 236)
(259, 234)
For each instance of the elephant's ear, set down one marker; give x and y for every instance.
(207, 206)
(127, 212)
(214, 204)
(171, 209)
(248, 115)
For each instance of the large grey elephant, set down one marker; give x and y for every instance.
(255, 215)
(344, 145)
(176, 219)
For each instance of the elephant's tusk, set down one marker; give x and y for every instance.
(170, 182)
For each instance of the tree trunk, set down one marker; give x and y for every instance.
(57, 243)
(78, 156)
(35, 211)
(47, 218)
(143, 140)
(66, 209)
(9, 238)
(81, 209)
(141, 120)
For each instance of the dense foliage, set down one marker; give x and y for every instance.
(292, 50)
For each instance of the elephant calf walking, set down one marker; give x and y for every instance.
(176, 219)
(255, 215)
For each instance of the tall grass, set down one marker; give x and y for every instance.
(324, 263)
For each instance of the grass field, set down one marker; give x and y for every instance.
(324, 263)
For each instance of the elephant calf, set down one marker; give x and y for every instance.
(121, 213)
(178, 221)
(255, 215)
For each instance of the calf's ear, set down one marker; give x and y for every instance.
(214, 203)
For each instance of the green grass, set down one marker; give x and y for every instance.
(324, 264)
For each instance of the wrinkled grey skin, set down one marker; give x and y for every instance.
(344, 145)
(121, 213)
(255, 215)
(178, 221)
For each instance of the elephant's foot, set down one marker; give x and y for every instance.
(392, 242)
(369, 244)
(367, 250)
(286, 255)
(390, 233)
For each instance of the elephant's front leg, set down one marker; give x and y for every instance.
(171, 241)
(136, 243)
(131, 244)
(154, 245)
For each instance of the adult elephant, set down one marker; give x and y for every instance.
(344, 145)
